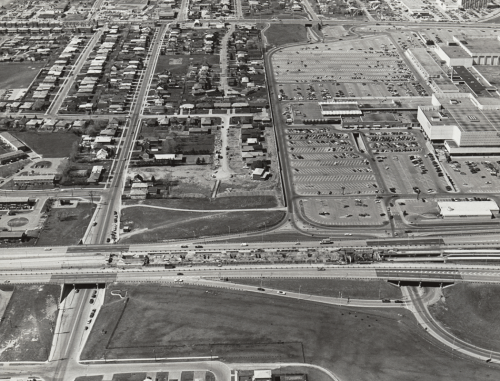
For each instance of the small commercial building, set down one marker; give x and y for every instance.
(12, 141)
(34, 180)
(467, 209)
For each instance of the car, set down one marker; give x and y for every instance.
(386, 300)
(297, 243)
(198, 247)
(94, 310)
(92, 314)
(261, 289)
(91, 301)
(77, 291)
(178, 280)
(244, 244)
(94, 294)
(90, 321)
(281, 292)
(180, 274)
(47, 249)
(347, 233)
(398, 301)
(86, 327)
(184, 246)
(321, 269)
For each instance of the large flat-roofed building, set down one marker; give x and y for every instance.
(415, 7)
(454, 55)
(472, 4)
(430, 70)
(466, 125)
(461, 209)
(339, 108)
(483, 50)
(12, 141)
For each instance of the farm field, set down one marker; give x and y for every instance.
(26, 328)
(181, 320)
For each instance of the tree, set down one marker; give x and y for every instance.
(198, 161)
(203, 160)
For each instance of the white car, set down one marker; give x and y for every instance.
(178, 280)
(347, 233)
(281, 292)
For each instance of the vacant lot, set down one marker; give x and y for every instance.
(471, 312)
(151, 224)
(18, 75)
(49, 145)
(281, 34)
(129, 377)
(66, 226)
(245, 327)
(238, 202)
(90, 378)
(330, 287)
(26, 330)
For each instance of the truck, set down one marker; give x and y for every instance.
(326, 241)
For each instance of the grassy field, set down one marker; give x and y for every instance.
(10, 169)
(243, 202)
(49, 145)
(26, 330)
(313, 374)
(248, 327)
(18, 75)
(66, 230)
(471, 312)
(281, 34)
(157, 224)
(330, 287)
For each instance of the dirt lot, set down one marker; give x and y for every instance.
(471, 312)
(281, 34)
(18, 75)
(185, 179)
(66, 227)
(241, 327)
(237, 202)
(330, 287)
(26, 330)
(152, 225)
(55, 144)
(5, 295)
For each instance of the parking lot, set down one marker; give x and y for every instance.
(479, 176)
(325, 161)
(343, 212)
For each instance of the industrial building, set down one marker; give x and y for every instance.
(339, 108)
(467, 209)
(466, 125)
(454, 55)
(483, 50)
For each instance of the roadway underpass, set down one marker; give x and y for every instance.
(97, 248)
(420, 275)
(84, 278)
(408, 283)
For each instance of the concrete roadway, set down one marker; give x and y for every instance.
(389, 271)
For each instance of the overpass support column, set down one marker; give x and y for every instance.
(420, 285)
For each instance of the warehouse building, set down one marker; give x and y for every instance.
(468, 209)
(339, 108)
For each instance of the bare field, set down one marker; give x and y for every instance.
(26, 330)
(355, 289)
(237, 202)
(245, 327)
(471, 312)
(152, 224)
(18, 75)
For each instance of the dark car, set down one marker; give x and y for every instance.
(398, 301)
(261, 289)
(91, 301)
(180, 273)
(198, 247)
(386, 300)
(184, 246)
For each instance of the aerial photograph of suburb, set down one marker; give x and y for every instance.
(249, 190)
